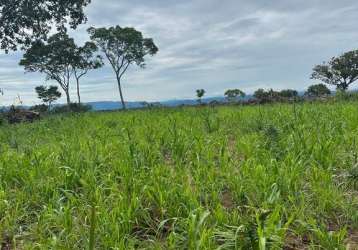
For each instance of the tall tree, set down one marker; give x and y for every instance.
(340, 71)
(200, 94)
(84, 61)
(233, 94)
(123, 47)
(48, 94)
(24, 21)
(54, 58)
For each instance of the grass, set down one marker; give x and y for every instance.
(262, 177)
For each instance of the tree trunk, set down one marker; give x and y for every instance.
(121, 93)
(68, 98)
(78, 91)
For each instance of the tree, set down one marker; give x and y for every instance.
(233, 94)
(48, 94)
(266, 96)
(260, 94)
(54, 58)
(288, 93)
(200, 94)
(341, 71)
(85, 60)
(123, 47)
(24, 21)
(317, 90)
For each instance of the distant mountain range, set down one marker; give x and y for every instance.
(111, 105)
(108, 105)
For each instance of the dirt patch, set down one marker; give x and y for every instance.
(6, 243)
(352, 241)
(227, 200)
(294, 242)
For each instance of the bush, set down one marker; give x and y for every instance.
(20, 115)
(346, 96)
(40, 108)
(74, 107)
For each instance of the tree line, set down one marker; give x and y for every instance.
(264, 96)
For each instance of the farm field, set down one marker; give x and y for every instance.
(263, 177)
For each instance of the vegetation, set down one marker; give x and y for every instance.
(53, 58)
(266, 96)
(261, 177)
(61, 59)
(23, 21)
(288, 93)
(277, 176)
(233, 94)
(122, 48)
(200, 94)
(48, 94)
(85, 60)
(340, 72)
(318, 90)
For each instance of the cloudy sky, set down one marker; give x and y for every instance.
(210, 44)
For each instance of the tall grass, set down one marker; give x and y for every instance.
(263, 177)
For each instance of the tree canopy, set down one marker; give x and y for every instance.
(24, 21)
(266, 96)
(61, 59)
(317, 90)
(200, 94)
(84, 60)
(123, 47)
(340, 71)
(53, 58)
(48, 94)
(232, 94)
(288, 93)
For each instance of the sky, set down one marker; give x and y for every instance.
(209, 44)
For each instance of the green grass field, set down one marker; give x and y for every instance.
(261, 177)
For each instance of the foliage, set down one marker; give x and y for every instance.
(20, 115)
(233, 94)
(318, 90)
(266, 96)
(340, 71)
(22, 21)
(85, 60)
(61, 59)
(276, 177)
(53, 58)
(73, 107)
(42, 108)
(123, 47)
(288, 93)
(48, 94)
(200, 94)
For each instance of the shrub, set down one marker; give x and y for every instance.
(42, 108)
(73, 107)
(318, 90)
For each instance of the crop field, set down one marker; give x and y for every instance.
(259, 177)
